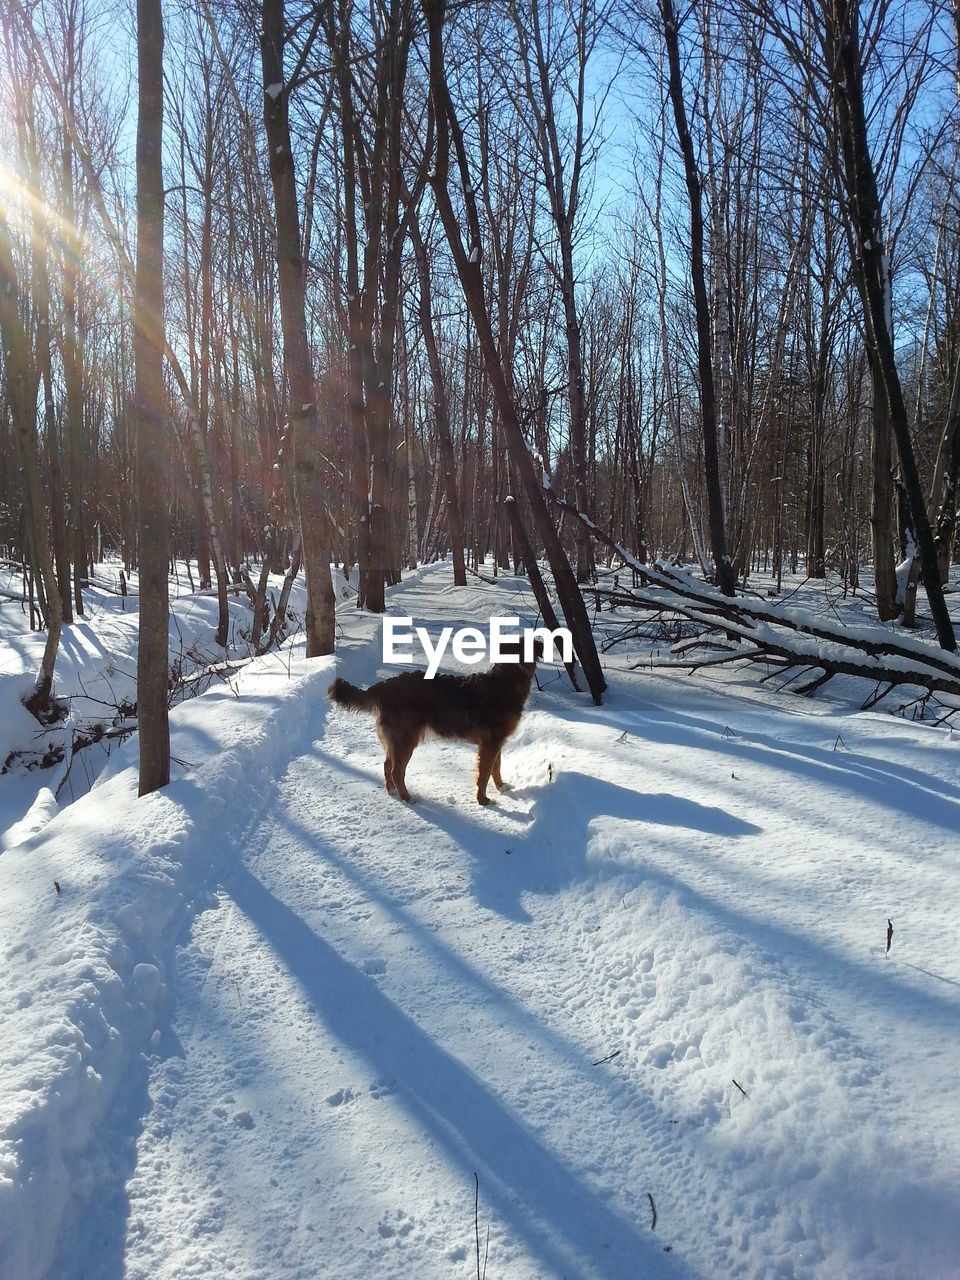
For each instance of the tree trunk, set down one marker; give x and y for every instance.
(708, 403)
(471, 280)
(21, 388)
(844, 58)
(316, 533)
(562, 180)
(946, 479)
(544, 603)
(149, 409)
(440, 410)
(882, 507)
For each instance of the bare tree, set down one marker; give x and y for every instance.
(20, 386)
(708, 402)
(309, 463)
(441, 407)
(844, 62)
(468, 266)
(555, 46)
(153, 447)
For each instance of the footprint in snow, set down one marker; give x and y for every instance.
(340, 1097)
(402, 1227)
(382, 1088)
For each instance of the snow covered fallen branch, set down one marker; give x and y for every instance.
(753, 629)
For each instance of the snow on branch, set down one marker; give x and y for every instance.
(757, 630)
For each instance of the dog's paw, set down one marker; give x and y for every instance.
(484, 800)
(504, 786)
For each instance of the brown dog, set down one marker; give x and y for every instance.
(484, 708)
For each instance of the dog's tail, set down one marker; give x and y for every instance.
(348, 695)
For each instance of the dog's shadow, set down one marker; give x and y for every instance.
(536, 839)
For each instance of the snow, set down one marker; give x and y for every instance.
(275, 1022)
(273, 91)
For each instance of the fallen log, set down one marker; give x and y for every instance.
(751, 629)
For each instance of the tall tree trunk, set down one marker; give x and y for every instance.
(441, 410)
(844, 65)
(882, 503)
(43, 238)
(153, 449)
(947, 479)
(316, 533)
(21, 389)
(708, 401)
(74, 451)
(562, 177)
(471, 280)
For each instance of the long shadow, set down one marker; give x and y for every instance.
(82, 643)
(897, 787)
(559, 1216)
(425, 938)
(569, 822)
(94, 1232)
(549, 849)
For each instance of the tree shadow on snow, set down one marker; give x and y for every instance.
(566, 1223)
(896, 786)
(549, 849)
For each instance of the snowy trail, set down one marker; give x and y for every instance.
(362, 1028)
(650, 978)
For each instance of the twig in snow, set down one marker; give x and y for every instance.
(742, 1089)
(889, 936)
(56, 885)
(609, 1058)
(653, 1210)
(476, 1219)
(839, 743)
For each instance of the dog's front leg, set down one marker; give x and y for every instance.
(495, 774)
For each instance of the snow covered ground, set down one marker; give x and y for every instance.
(634, 1020)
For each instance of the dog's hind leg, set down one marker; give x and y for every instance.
(401, 749)
(388, 775)
(488, 759)
(388, 753)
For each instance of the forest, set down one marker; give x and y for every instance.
(322, 320)
(292, 285)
